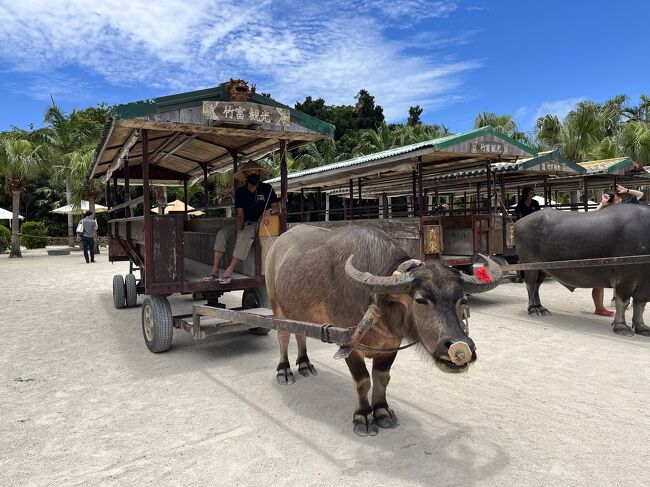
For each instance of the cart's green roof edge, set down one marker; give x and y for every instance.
(218, 93)
(436, 144)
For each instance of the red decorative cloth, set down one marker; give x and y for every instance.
(482, 274)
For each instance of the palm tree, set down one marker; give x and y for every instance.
(578, 134)
(63, 135)
(634, 140)
(412, 134)
(370, 141)
(20, 160)
(503, 123)
(319, 154)
(82, 187)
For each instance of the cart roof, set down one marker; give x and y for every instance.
(188, 131)
(469, 149)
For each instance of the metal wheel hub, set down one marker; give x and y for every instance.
(148, 323)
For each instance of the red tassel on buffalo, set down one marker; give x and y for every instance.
(482, 274)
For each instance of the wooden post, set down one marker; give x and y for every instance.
(148, 230)
(414, 193)
(205, 187)
(115, 200)
(360, 200)
(127, 189)
(389, 199)
(318, 198)
(185, 197)
(465, 203)
(585, 187)
(283, 186)
(327, 207)
(546, 195)
(489, 199)
(420, 189)
(351, 203)
(302, 204)
(235, 168)
(477, 207)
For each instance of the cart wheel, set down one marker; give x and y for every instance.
(157, 323)
(118, 292)
(256, 298)
(131, 290)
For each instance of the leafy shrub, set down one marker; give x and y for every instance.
(33, 235)
(5, 238)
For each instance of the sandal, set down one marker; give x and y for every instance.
(211, 277)
(225, 279)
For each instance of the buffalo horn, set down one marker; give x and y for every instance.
(474, 285)
(395, 284)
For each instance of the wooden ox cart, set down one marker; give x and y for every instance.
(178, 140)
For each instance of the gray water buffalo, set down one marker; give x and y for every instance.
(614, 231)
(334, 276)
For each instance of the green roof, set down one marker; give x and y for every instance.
(516, 166)
(178, 101)
(436, 144)
(606, 166)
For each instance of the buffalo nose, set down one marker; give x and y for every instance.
(460, 352)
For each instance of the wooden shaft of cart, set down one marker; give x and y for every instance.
(569, 264)
(324, 332)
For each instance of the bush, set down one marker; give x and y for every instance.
(33, 235)
(5, 238)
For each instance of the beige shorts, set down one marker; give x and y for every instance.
(243, 240)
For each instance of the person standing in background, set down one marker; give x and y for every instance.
(88, 225)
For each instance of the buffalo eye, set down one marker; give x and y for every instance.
(421, 300)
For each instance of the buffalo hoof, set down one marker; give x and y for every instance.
(306, 369)
(364, 425)
(385, 418)
(538, 311)
(642, 329)
(285, 377)
(622, 329)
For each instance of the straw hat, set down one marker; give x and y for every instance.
(251, 167)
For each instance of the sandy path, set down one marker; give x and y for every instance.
(559, 401)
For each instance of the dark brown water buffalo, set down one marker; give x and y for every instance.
(614, 231)
(333, 276)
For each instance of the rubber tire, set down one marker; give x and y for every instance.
(131, 288)
(118, 292)
(256, 298)
(163, 323)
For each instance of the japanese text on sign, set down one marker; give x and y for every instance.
(244, 112)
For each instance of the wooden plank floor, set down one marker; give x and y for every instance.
(196, 271)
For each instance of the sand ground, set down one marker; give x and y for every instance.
(553, 401)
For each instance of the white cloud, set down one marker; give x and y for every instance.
(291, 48)
(559, 108)
(526, 116)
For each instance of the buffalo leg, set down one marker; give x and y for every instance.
(620, 327)
(362, 420)
(305, 368)
(383, 415)
(284, 375)
(533, 281)
(637, 318)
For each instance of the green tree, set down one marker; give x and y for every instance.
(64, 134)
(634, 140)
(414, 116)
(369, 115)
(381, 139)
(20, 160)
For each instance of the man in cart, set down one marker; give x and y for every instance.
(255, 202)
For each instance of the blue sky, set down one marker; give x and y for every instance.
(454, 58)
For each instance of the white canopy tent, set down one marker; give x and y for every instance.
(85, 206)
(7, 215)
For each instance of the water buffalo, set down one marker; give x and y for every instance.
(311, 275)
(614, 231)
